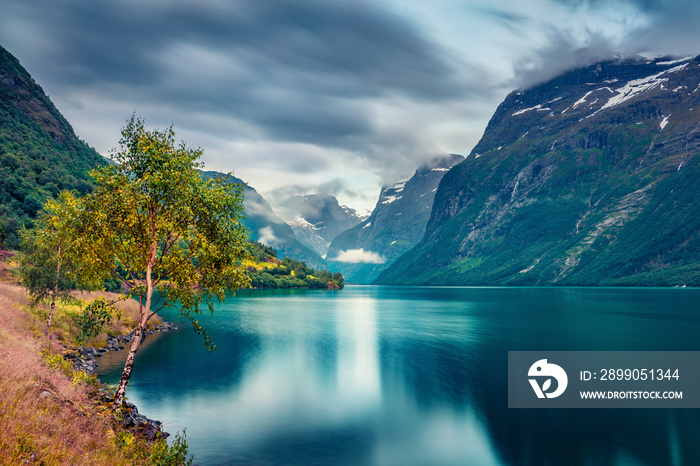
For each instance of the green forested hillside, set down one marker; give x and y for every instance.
(267, 271)
(39, 153)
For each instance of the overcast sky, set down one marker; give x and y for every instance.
(330, 96)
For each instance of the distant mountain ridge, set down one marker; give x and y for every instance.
(588, 179)
(268, 228)
(396, 224)
(317, 219)
(40, 154)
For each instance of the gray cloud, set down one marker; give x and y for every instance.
(670, 28)
(510, 20)
(643, 5)
(297, 71)
(335, 187)
(562, 53)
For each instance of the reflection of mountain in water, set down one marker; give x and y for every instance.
(473, 377)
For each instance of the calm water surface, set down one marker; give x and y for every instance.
(401, 376)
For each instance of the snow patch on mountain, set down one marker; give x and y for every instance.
(635, 87)
(391, 199)
(520, 112)
(398, 187)
(673, 62)
(302, 222)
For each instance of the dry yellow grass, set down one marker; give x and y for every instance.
(45, 418)
(247, 263)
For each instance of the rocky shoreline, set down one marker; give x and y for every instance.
(86, 359)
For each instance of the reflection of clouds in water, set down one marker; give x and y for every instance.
(319, 370)
(359, 384)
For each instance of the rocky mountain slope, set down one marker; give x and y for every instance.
(268, 228)
(589, 179)
(317, 218)
(40, 154)
(395, 226)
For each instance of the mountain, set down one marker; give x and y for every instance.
(588, 179)
(267, 227)
(395, 226)
(317, 218)
(40, 155)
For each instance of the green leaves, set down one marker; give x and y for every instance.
(152, 222)
(95, 316)
(44, 251)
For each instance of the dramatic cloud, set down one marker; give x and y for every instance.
(360, 256)
(631, 27)
(294, 70)
(292, 95)
(562, 53)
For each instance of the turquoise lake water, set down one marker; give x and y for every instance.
(408, 376)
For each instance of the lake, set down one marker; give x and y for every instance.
(404, 376)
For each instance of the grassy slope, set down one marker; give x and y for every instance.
(51, 415)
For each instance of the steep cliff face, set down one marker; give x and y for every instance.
(588, 179)
(395, 226)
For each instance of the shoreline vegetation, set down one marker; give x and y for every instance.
(268, 272)
(51, 413)
(53, 409)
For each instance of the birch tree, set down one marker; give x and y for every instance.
(43, 270)
(155, 225)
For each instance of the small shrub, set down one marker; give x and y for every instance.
(162, 454)
(80, 377)
(96, 315)
(56, 361)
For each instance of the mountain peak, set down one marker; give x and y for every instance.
(317, 218)
(396, 224)
(19, 88)
(584, 179)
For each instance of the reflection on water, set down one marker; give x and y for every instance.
(381, 375)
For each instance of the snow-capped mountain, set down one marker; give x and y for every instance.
(588, 179)
(396, 224)
(267, 227)
(317, 218)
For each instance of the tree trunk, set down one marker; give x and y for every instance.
(144, 315)
(128, 367)
(53, 297)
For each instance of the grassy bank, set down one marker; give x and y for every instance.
(50, 414)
